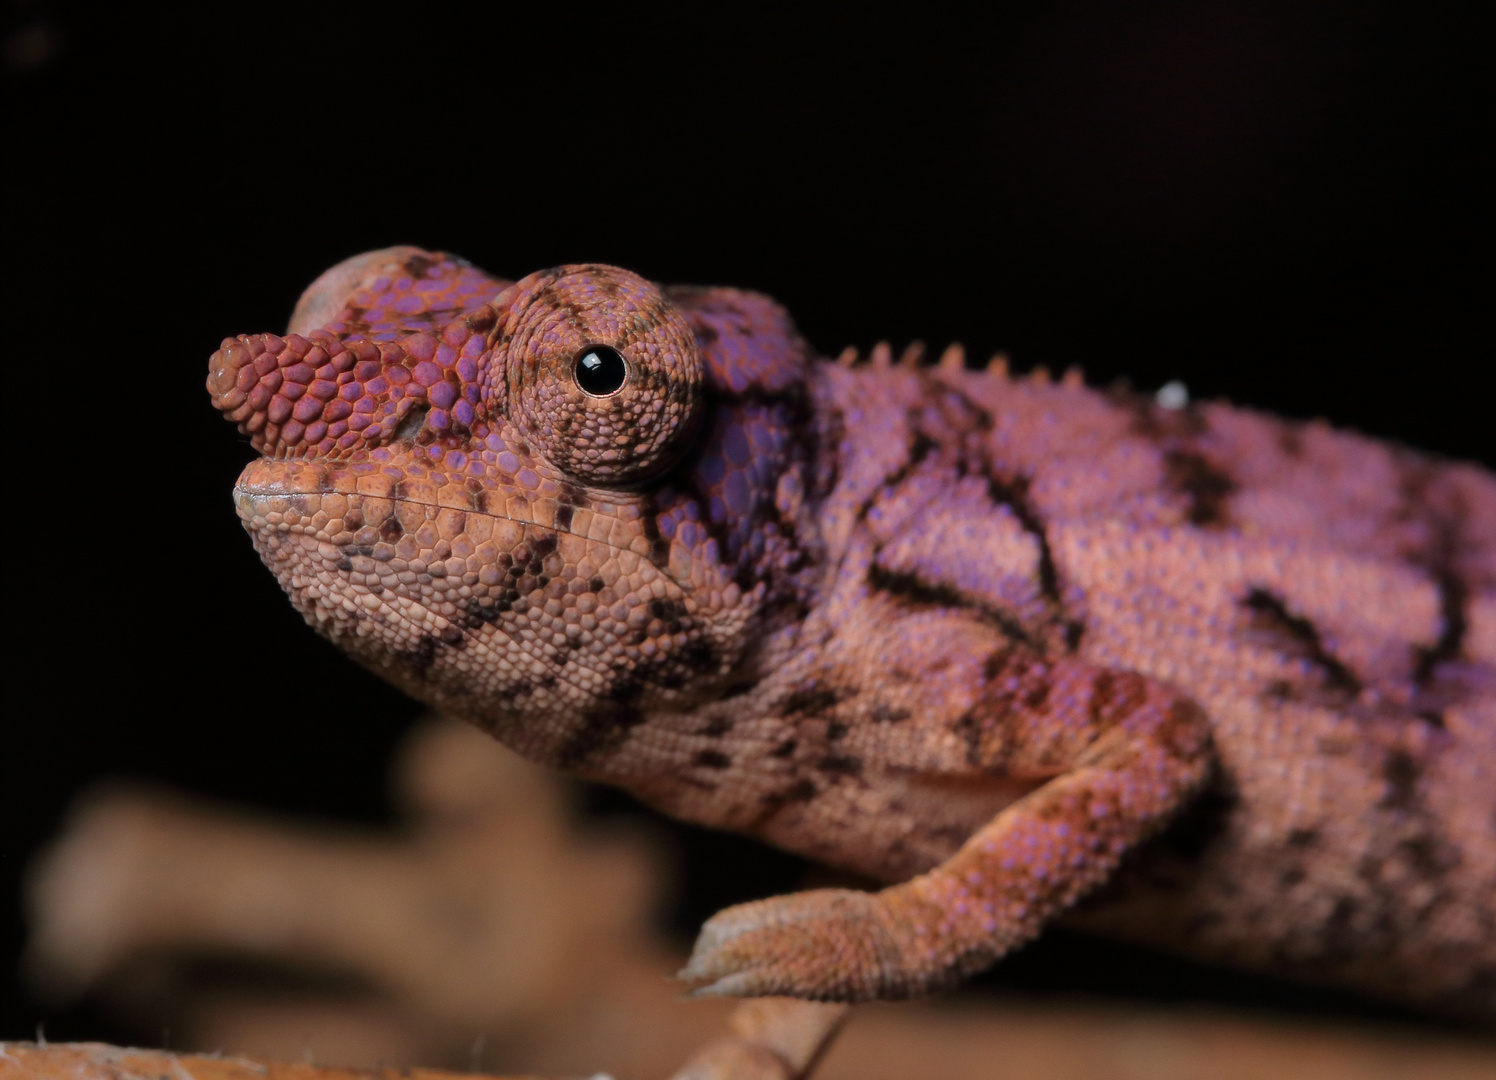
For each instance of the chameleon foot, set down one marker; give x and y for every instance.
(825, 945)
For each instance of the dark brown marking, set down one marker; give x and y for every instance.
(1207, 487)
(886, 714)
(417, 265)
(840, 765)
(482, 320)
(810, 700)
(712, 759)
(659, 547)
(1428, 857)
(784, 749)
(412, 424)
(716, 727)
(835, 730)
(601, 730)
(1452, 626)
(1401, 772)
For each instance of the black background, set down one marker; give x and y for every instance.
(1274, 202)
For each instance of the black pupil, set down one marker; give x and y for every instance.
(601, 370)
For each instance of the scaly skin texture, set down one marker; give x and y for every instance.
(981, 638)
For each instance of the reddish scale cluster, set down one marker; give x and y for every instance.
(400, 343)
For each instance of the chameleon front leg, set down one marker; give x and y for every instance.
(1123, 753)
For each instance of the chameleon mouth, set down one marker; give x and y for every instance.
(342, 508)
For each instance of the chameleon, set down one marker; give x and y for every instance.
(1017, 648)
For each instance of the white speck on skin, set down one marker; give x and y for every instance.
(1172, 395)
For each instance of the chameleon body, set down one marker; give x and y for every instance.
(1197, 676)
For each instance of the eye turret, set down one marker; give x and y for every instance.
(598, 371)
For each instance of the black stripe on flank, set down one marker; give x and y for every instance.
(909, 589)
(1300, 637)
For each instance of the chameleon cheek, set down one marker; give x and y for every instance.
(502, 621)
(599, 372)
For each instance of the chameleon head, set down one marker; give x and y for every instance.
(491, 502)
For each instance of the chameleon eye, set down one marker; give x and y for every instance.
(601, 370)
(598, 371)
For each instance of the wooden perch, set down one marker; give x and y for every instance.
(100, 1061)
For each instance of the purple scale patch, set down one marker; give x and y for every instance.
(437, 420)
(711, 470)
(427, 373)
(421, 346)
(467, 369)
(737, 493)
(442, 395)
(462, 412)
(735, 445)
